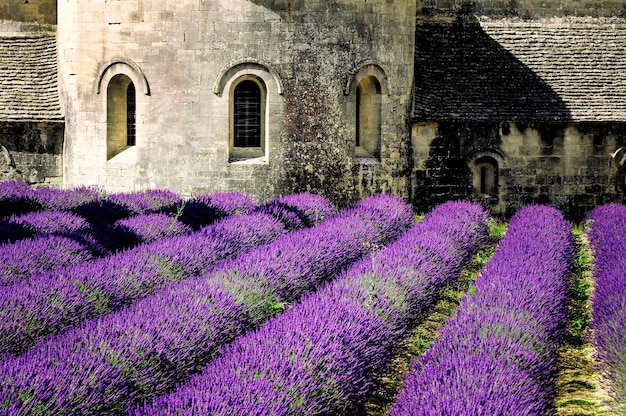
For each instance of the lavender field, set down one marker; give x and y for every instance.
(147, 303)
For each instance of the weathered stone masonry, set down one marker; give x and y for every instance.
(503, 103)
(31, 119)
(308, 54)
(542, 101)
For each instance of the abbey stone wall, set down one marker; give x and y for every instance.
(183, 57)
(31, 119)
(531, 104)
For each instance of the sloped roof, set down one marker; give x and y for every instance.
(28, 77)
(500, 69)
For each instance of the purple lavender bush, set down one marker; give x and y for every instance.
(314, 208)
(107, 209)
(19, 198)
(110, 363)
(51, 301)
(142, 228)
(24, 258)
(116, 227)
(148, 201)
(498, 354)
(606, 232)
(319, 357)
(41, 223)
(299, 210)
(15, 198)
(205, 209)
(65, 199)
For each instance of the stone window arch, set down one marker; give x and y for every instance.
(368, 117)
(121, 115)
(367, 89)
(485, 173)
(123, 84)
(253, 90)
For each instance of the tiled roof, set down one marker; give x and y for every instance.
(550, 70)
(28, 77)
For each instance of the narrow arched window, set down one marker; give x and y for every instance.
(483, 179)
(247, 114)
(368, 118)
(486, 176)
(121, 115)
(247, 119)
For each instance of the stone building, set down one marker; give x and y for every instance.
(515, 111)
(31, 119)
(506, 102)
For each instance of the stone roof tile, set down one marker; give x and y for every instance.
(28, 78)
(550, 70)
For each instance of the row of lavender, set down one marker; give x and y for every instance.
(52, 300)
(27, 212)
(63, 238)
(606, 232)
(81, 224)
(90, 203)
(497, 355)
(17, 199)
(107, 364)
(320, 356)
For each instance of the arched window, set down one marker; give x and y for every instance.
(368, 118)
(247, 118)
(486, 176)
(121, 115)
(247, 114)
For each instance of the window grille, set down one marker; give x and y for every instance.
(247, 114)
(130, 114)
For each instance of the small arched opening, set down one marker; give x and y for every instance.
(121, 115)
(247, 115)
(368, 118)
(485, 172)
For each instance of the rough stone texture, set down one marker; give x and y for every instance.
(526, 9)
(570, 69)
(28, 76)
(312, 50)
(31, 118)
(566, 165)
(32, 11)
(32, 152)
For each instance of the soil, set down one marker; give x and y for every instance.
(579, 388)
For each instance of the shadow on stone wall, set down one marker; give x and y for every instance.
(31, 152)
(528, 9)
